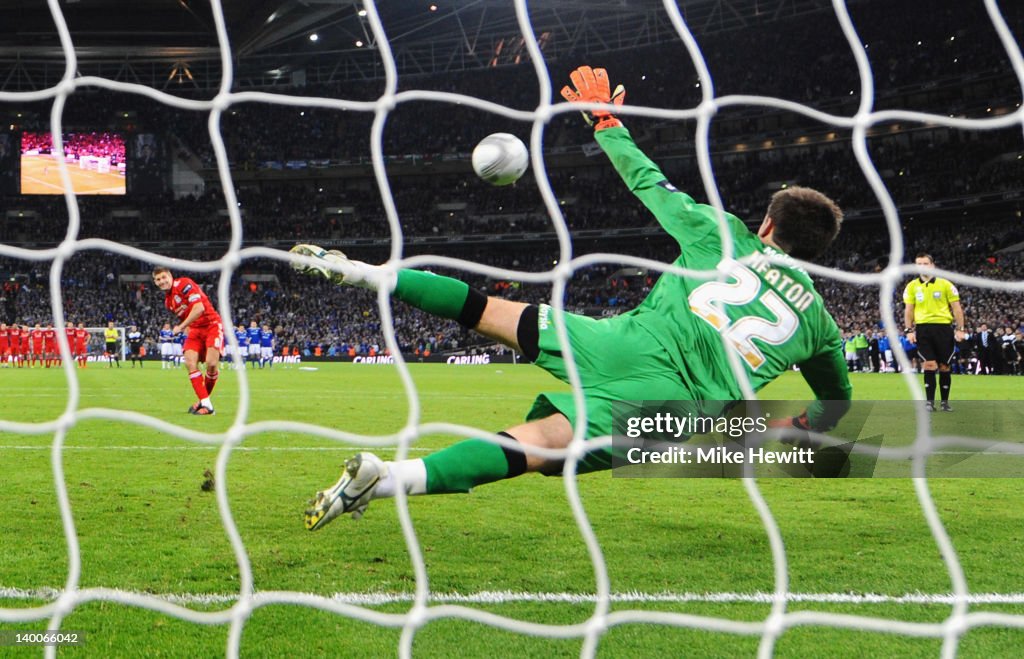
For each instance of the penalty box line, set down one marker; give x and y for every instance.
(512, 597)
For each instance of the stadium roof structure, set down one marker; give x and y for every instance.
(166, 43)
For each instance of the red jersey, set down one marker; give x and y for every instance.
(4, 335)
(26, 335)
(36, 337)
(49, 336)
(82, 336)
(185, 294)
(69, 332)
(15, 339)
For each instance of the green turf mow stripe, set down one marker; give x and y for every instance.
(505, 597)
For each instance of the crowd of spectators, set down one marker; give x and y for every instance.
(810, 62)
(309, 314)
(918, 168)
(95, 144)
(947, 60)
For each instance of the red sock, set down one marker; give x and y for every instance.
(211, 382)
(197, 383)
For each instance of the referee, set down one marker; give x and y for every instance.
(110, 336)
(932, 304)
(135, 345)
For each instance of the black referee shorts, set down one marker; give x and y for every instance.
(935, 342)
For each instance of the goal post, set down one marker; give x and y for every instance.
(98, 342)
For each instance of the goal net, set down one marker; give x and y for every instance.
(97, 348)
(423, 605)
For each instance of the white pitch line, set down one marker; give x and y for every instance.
(42, 182)
(509, 597)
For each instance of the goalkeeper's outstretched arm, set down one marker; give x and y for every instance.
(829, 379)
(644, 178)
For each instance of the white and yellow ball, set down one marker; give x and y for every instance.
(500, 159)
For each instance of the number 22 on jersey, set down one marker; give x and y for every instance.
(740, 333)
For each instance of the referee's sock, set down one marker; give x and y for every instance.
(945, 381)
(929, 386)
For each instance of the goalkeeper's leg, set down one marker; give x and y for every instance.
(495, 318)
(458, 468)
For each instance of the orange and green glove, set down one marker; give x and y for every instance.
(592, 86)
(801, 425)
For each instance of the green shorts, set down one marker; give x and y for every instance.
(617, 359)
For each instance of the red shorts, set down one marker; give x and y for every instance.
(201, 338)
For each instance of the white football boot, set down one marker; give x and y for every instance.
(351, 494)
(334, 266)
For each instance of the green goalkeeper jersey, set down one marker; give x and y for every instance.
(768, 314)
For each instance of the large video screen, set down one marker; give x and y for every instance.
(96, 162)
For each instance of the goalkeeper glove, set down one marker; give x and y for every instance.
(800, 424)
(592, 87)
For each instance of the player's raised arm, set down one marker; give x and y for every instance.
(644, 178)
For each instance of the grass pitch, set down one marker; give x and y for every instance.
(41, 175)
(694, 546)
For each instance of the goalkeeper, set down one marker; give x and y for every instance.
(767, 313)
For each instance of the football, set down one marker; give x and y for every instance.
(500, 159)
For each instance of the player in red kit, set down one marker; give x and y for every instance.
(5, 344)
(35, 338)
(26, 349)
(15, 340)
(81, 345)
(205, 339)
(49, 345)
(69, 334)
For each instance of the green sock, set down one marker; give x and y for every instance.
(435, 294)
(465, 465)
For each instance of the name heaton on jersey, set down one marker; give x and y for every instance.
(786, 286)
